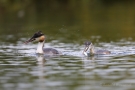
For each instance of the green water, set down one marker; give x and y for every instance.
(67, 25)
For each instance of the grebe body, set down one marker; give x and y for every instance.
(50, 51)
(40, 37)
(89, 50)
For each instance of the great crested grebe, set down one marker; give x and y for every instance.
(89, 50)
(40, 37)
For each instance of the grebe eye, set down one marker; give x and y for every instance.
(33, 39)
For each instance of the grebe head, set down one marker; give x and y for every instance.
(88, 45)
(38, 36)
(89, 48)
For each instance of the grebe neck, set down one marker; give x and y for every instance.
(92, 51)
(40, 47)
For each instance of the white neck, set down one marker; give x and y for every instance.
(92, 51)
(40, 47)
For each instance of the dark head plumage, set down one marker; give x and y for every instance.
(87, 43)
(35, 36)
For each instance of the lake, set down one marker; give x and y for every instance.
(66, 28)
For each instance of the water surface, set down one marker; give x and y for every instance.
(67, 24)
(21, 69)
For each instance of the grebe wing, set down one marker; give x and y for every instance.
(50, 51)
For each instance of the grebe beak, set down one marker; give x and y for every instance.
(30, 40)
(87, 47)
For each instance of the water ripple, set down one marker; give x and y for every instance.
(20, 68)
